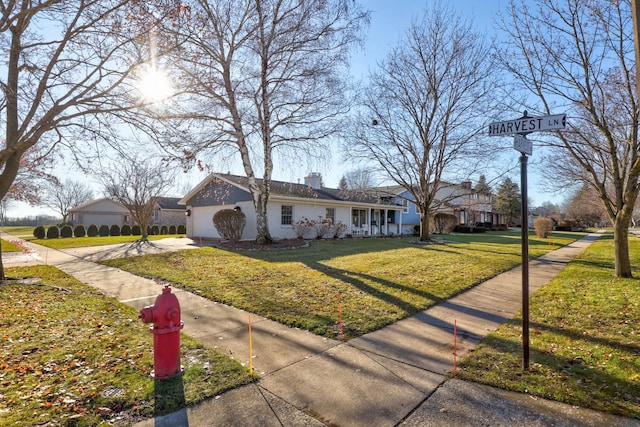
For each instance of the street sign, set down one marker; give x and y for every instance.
(522, 144)
(526, 125)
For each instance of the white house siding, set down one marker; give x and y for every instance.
(200, 223)
(311, 211)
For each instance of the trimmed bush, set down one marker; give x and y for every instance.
(135, 230)
(103, 231)
(53, 232)
(125, 230)
(79, 231)
(164, 230)
(182, 229)
(66, 231)
(154, 230)
(92, 231)
(543, 227)
(566, 225)
(172, 229)
(444, 223)
(39, 232)
(230, 223)
(114, 230)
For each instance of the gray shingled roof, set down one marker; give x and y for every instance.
(170, 203)
(289, 189)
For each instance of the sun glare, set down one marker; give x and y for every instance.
(155, 86)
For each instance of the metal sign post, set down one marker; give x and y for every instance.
(519, 128)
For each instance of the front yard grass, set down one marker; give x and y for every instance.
(9, 247)
(380, 281)
(72, 356)
(584, 338)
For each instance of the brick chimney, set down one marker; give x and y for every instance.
(313, 180)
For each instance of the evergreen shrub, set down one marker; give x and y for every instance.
(103, 231)
(66, 231)
(53, 232)
(92, 231)
(79, 231)
(39, 232)
(114, 230)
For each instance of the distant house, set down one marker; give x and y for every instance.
(169, 212)
(108, 212)
(101, 211)
(362, 213)
(460, 200)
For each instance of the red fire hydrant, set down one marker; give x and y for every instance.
(165, 315)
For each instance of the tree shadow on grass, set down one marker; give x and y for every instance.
(581, 383)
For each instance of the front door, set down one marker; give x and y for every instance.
(375, 222)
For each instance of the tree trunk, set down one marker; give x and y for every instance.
(2, 276)
(263, 236)
(621, 243)
(424, 227)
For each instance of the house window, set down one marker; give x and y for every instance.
(405, 206)
(330, 215)
(359, 217)
(286, 216)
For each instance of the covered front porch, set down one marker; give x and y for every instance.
(367, 222)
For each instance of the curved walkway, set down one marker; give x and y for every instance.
(394, 376)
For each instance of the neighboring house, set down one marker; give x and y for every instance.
(99, 212)
(169, 212)
(107, 212)
(363, 214)
(460, 200)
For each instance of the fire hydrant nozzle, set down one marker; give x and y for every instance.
(165, 316)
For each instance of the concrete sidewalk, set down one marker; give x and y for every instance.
(394, 376)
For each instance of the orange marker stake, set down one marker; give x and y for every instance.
(455, 337)
(250, 347)
(340, 318)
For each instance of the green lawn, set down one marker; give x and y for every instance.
(9, 247)
(585, 338)
(380, 280)
(67, 350)
(19, 231)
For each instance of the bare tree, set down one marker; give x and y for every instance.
(63, 196)
(66, 65)
(577, 57)
(360, 179)
(423, 109)
(585, 206)
(136, 185)
(267, 82)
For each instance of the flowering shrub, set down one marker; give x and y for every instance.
(303, 227)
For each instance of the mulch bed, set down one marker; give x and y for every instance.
(252, 245)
